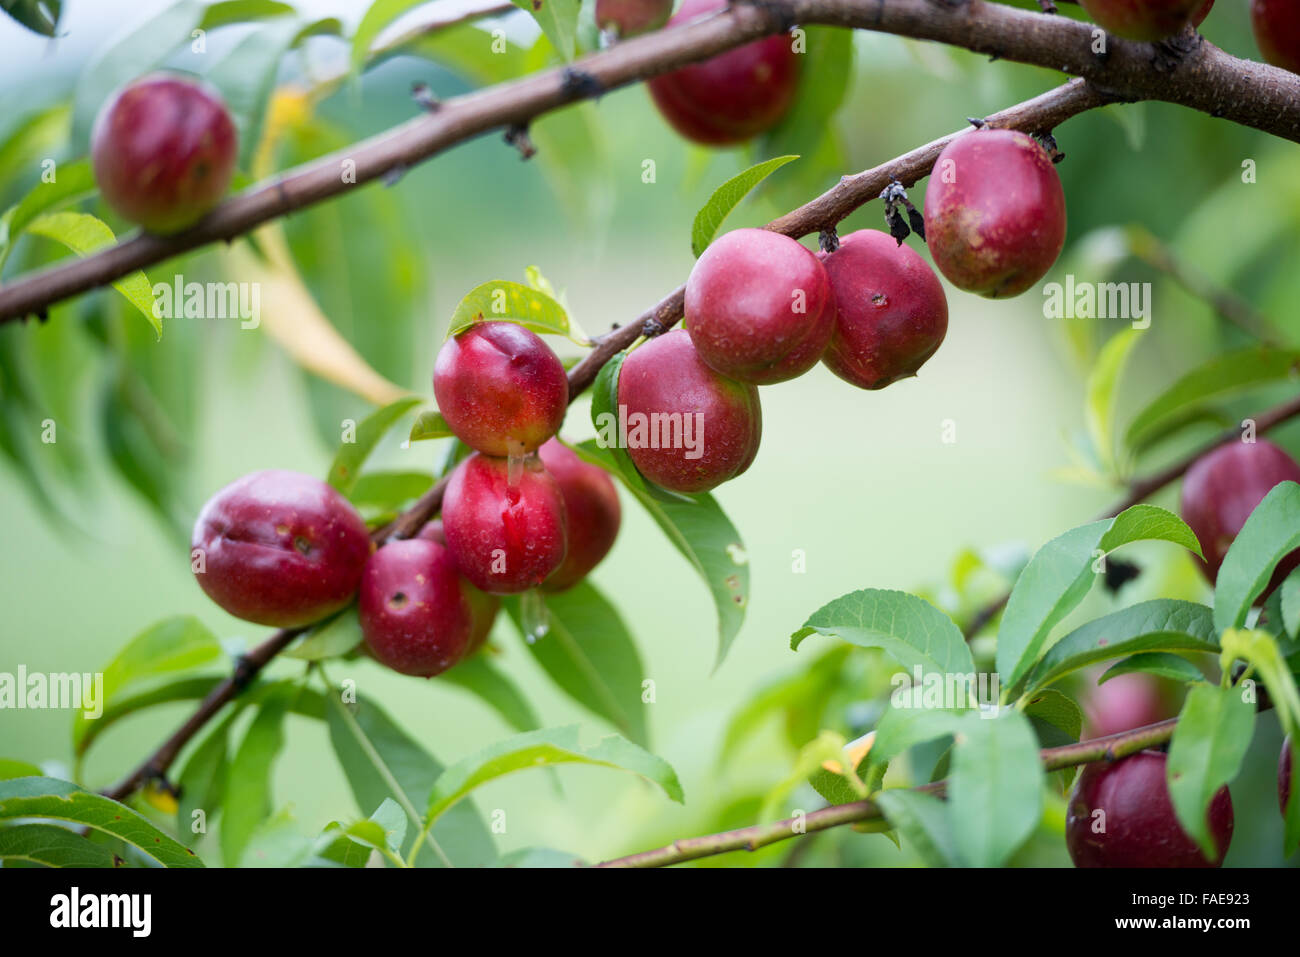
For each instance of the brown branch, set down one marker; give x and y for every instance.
(1142, 489)
(1207, 79)
(1110, 748)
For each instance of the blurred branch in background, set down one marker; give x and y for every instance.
(1209, 80)
(1147, 247)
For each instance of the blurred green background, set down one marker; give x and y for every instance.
(861, 483)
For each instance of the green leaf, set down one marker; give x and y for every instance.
(1062, 572)
(538, 857)
(1057, 710)
(72, 181)
(1160, 625)
(1102, 389)
(1220, 378)
(55, 800)
(900, 729)
(1163, 664)
(166, 648)
(558, 20)
(589, 653)
(389, 491)
(701, 531)
(346, 468)
(1261, 650)
(1289, 601)
(430, 424)
(380, 14)
(480, 677)
(330, 639)
(83, 234)
(726, 197)
(202, 783)
(52, 846)
(1209, 743)
(381, 761)
(909, 629)
(995, 791)
(39, 16)
(547, 747)
(277, 842)
(500, 299)
(182, 689)
(10, 769)
(922, 820)
(1270, 534)
(246, 74)
(247, 799)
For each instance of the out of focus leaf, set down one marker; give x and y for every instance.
(346, 468)
(701, 531)
(72, 181)
(1221, 377)
(558, 20)
(165, 649)
(590, 654)
(39, 16)
(481, 678)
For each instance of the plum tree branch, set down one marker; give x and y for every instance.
(1140, 490)
(1206, 79)
(1110, 748)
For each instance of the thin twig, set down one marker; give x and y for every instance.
(1110, 748)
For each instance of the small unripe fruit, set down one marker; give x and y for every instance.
(507, 533)
(163, 150)
(759, 307)
(1223, 487)
(1121, 815)
(415, 608)
(591, 508)
(626, 18)
(689, 428)
(891, 313)
(483, 605)
(1143, 20)
(1277, 31)
(1123, 703)
(500, 388)
(733, 96)
(280, 549)
(994, 213)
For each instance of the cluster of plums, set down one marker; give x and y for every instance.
(1137, 826)
(522, 511)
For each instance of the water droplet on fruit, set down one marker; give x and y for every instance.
(534, 616)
